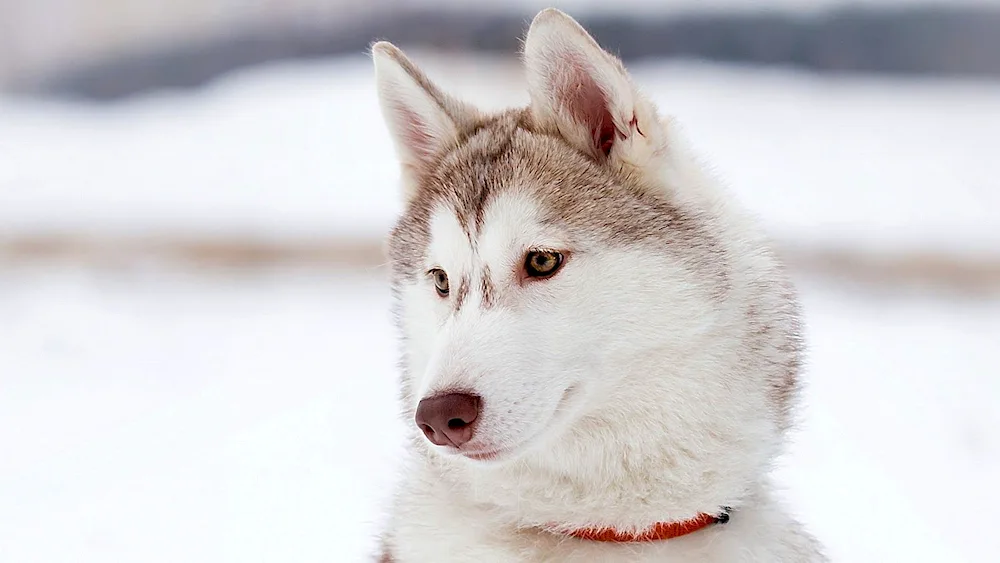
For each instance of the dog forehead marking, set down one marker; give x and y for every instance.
(510, 226)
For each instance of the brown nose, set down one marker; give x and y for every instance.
(448, 419)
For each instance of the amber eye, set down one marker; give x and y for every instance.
(542, 263)
(440, 281)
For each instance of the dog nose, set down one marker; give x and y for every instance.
(448, 419)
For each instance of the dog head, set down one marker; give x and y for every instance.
(563, 279)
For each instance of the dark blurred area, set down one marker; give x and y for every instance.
(941, 40)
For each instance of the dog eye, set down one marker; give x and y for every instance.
(542, 263)
(440, 281)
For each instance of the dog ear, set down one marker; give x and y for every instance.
(581, 91)
(422, 120)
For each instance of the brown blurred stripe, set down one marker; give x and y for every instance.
(965, 274)
(978, 275)
(191, 252)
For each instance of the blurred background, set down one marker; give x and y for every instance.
(197, 361)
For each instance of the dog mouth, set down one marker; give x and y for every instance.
(489, 455)
(498, 454)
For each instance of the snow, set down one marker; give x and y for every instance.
(898, 452)
(161, 417)
(164, 416)
(170, 163)
(300, 151)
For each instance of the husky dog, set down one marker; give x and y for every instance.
(600, 353)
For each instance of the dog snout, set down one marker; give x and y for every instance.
(448, 419)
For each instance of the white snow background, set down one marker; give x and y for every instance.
(155, 414)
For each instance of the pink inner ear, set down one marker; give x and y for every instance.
(605, 136)
(415, 133)
(579, 93)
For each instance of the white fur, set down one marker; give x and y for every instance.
(639, 415)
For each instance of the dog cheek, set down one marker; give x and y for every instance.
(515, 413)
(535, 403)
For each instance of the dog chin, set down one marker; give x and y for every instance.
(479, 454)
(489, 456)
(486, 454)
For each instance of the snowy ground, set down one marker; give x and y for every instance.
(171, 418)
(158, 415)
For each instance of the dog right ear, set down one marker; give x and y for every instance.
(423, 120)
(584, 93)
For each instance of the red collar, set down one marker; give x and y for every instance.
(656, 532)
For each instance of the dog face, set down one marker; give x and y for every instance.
(546, 274)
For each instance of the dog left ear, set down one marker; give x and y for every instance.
(583, 92)
(422, 120)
